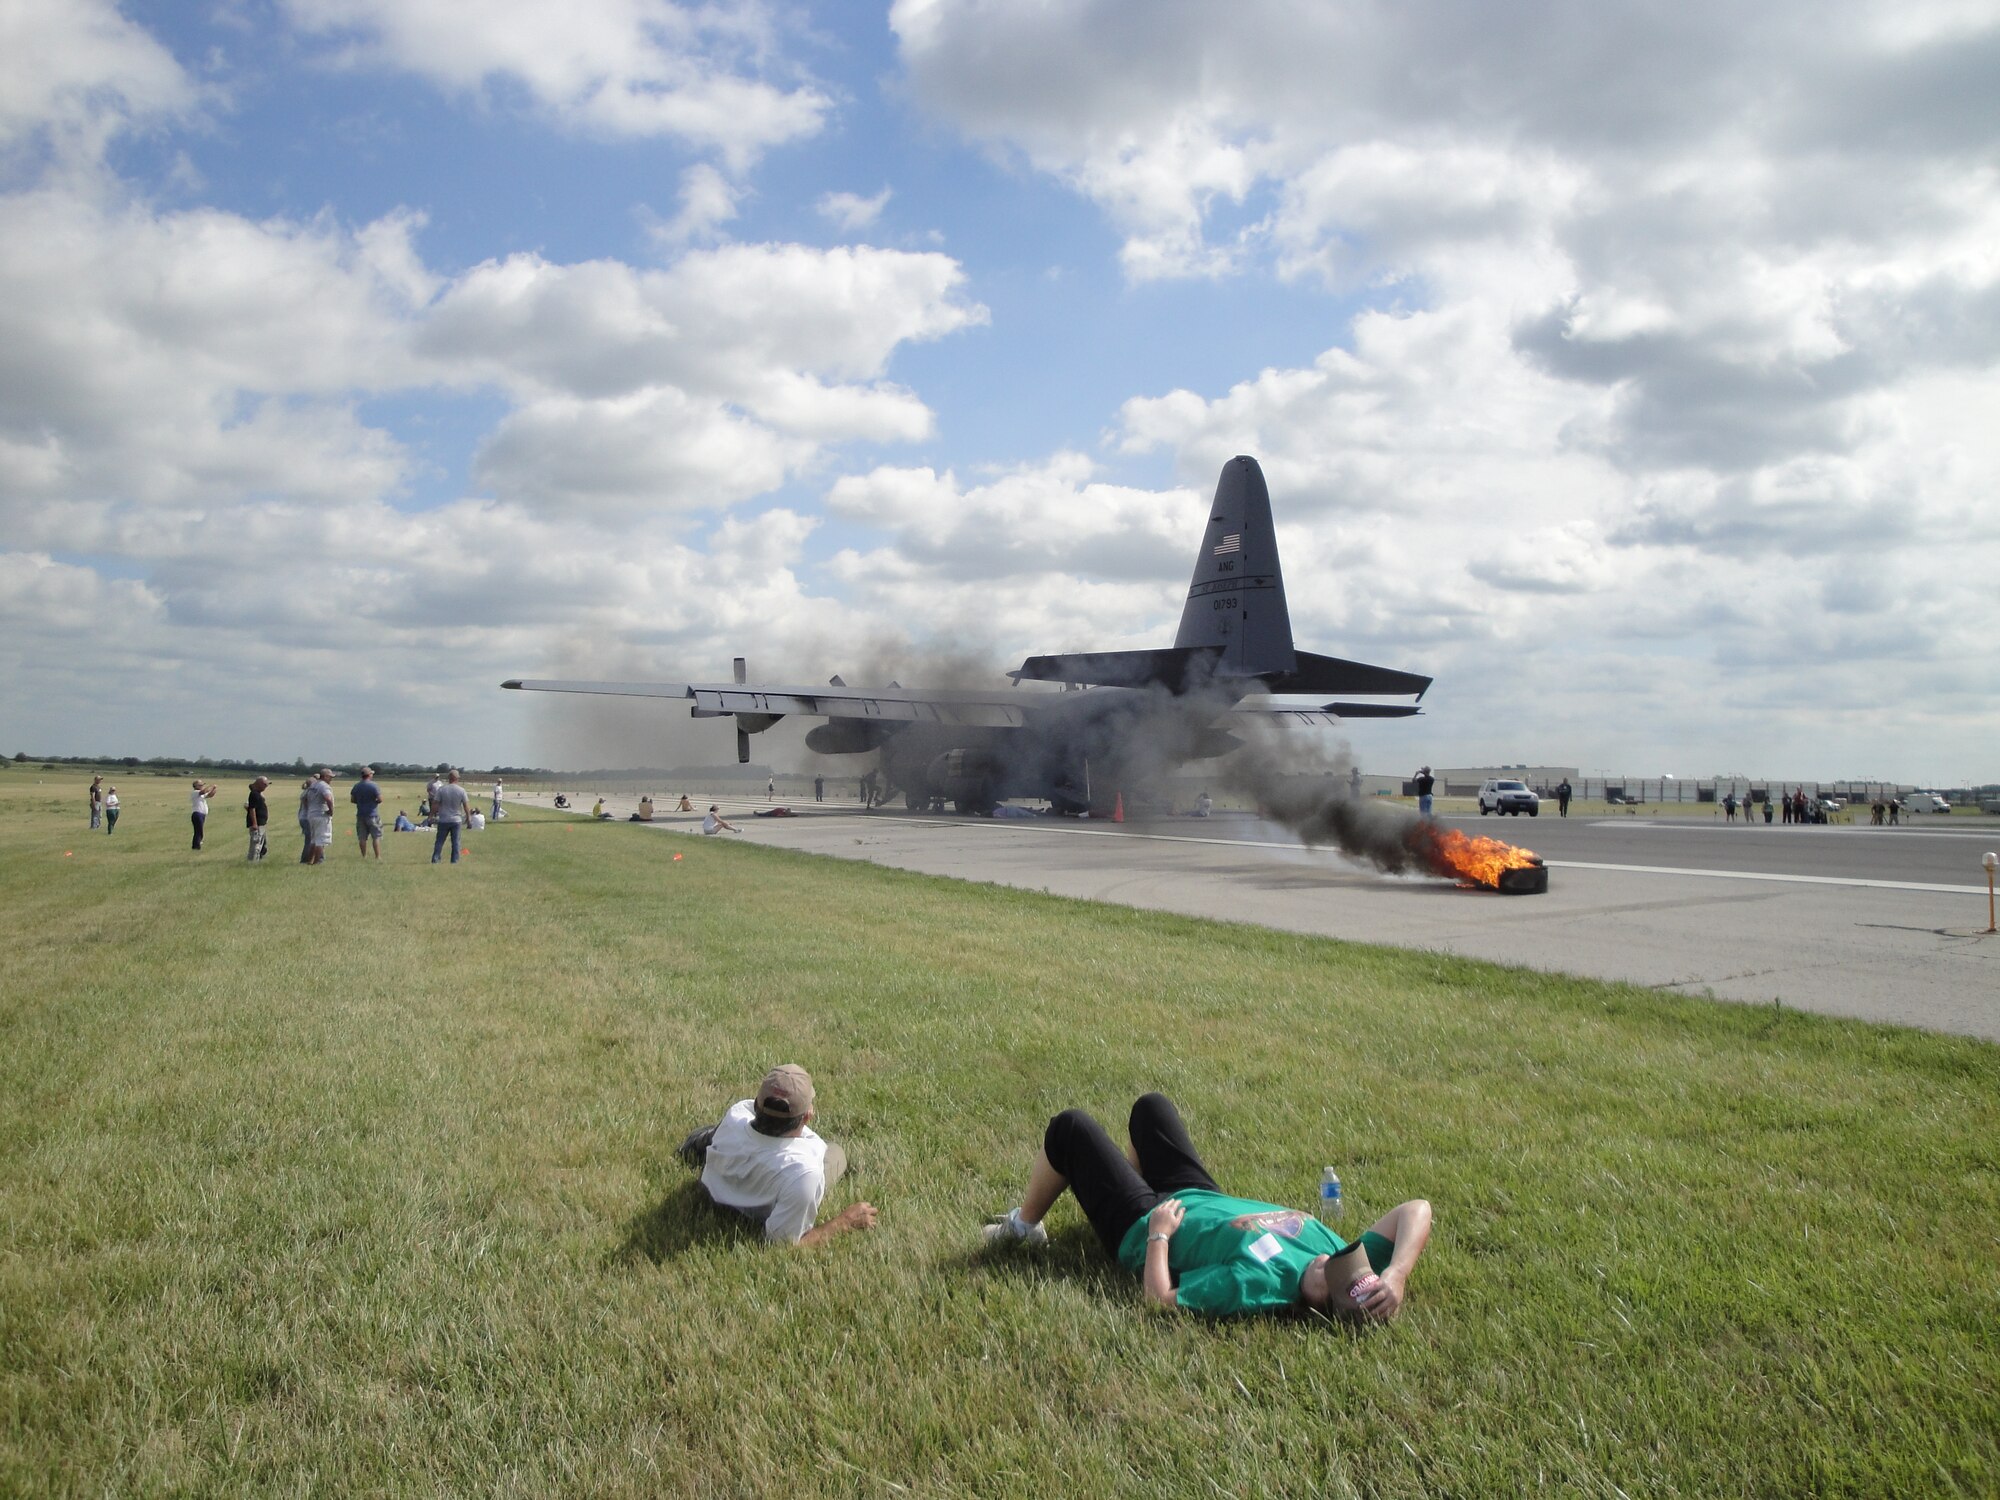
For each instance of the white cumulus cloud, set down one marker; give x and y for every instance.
(619, 68)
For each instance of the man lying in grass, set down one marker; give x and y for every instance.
(1161, 1215)
(766, 1163)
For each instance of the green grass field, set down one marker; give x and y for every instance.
(359, 1180)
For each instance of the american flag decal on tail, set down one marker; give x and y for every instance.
(1231, 543)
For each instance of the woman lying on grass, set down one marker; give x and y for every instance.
(1161, 1215)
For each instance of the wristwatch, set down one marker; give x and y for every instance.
(1151, 1237)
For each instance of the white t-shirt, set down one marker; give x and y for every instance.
(710, 823)
(197, 803)
(777, 1178)
(110, 799)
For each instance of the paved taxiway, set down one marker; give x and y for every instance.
(1882, 924)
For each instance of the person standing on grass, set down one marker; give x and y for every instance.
(497, 813)
(96, 802)
(110, 808)
(1160, 1215)
(198, 809)
(319, 816)
(256, 813)
(367, 799)
(764, 1162)
(449, 806)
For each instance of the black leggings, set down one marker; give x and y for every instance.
(1113, 1196)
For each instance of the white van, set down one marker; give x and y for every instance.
(1929, 802)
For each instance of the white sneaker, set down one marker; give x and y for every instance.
(1013, 1229)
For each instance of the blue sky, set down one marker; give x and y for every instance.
(1631, 374)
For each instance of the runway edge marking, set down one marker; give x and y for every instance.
(1879, 885)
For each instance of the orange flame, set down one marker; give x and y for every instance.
(1478, 860)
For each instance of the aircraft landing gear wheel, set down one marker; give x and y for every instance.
(914, 802)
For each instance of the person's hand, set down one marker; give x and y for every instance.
(1381, 1300)
(856, 1216)
(1166, 1217)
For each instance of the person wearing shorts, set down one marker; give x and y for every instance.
(1159, 1213)
(319, 816)
(366, 796)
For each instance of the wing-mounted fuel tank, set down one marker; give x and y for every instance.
(849, 736)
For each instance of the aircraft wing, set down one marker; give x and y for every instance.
(1004, 709)
(1326, 714)
(1001, 709)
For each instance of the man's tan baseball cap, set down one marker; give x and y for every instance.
(786, 1093)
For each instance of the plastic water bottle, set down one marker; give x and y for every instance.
(1329, 1196)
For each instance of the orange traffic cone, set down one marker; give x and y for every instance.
(1118, 809)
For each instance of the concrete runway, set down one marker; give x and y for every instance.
(1884, 924)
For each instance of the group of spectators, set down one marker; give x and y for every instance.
(103, 805)
(1798, 808)
(447, 808)
(1749, 806)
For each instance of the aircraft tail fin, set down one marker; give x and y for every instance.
(1236, 600)
(1236, 629)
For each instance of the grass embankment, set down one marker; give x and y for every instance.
(358, 1180)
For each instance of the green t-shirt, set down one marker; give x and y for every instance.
(1236, 1255)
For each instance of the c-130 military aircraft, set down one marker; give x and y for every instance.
(1127, 713)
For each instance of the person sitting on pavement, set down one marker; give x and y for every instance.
(713, 822)
(1159, 1214)
(685, 805)
(598, 811)
(765, 1162)
(645, 812)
